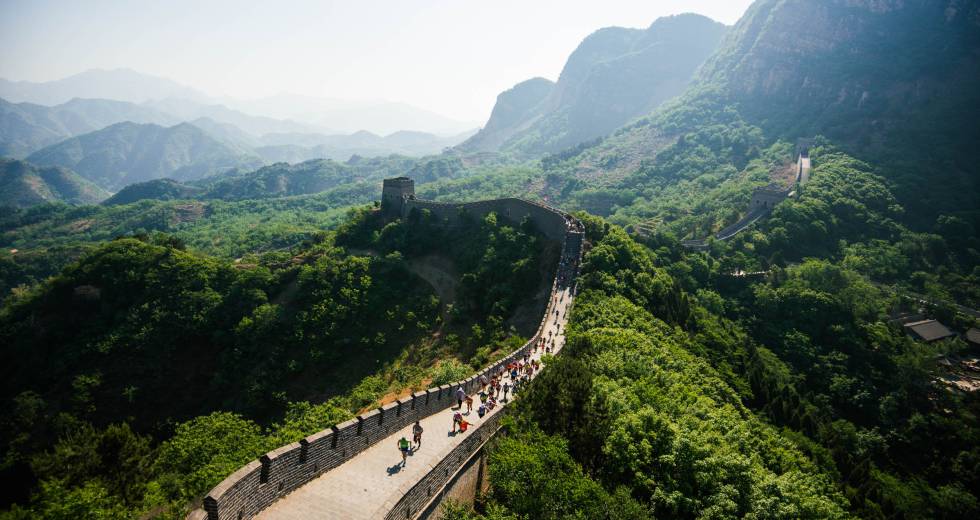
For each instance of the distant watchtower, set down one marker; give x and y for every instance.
(393, 195)
(803, 146)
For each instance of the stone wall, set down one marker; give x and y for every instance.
(551, 222)
(258, 484)
(470, 481)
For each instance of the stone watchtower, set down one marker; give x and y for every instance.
(393, 194)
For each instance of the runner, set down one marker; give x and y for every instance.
(403, 447)
(417, 434)
(460, 395)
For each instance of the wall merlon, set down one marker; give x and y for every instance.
(228, 483)
(280, 451)
(320, 437)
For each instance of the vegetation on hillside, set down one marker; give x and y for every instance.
(24, 185)
(142, 374)
(686, 392)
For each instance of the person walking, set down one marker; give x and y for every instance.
(506, 389)
(417, 434)
(403, 447)
(469, 404)
(457, 419)
(460, 395)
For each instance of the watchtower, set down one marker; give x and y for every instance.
(803, 146)
(767, 197)
(393, 194)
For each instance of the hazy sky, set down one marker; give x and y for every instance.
(451, 57)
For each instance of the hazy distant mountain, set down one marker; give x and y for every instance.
(118, 84)
(386, 118)
(346, 116)
(275, 114)
(303, 147)
(613, 76)
(513, 112)
(23, 184)
(125, 153)
(226, 132)
(26, 127)
(188, 110)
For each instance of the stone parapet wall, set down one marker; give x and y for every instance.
(551, 222)
(258, 484)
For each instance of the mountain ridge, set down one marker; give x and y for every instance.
(23, 185)
(614, 75)
(127, 152)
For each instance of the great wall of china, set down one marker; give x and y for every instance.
(342, 471)
(763, 200)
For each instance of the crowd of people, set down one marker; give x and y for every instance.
(511, 379)
(496, 389)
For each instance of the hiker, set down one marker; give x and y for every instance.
(417, 434)
(403, 447)
(460, 395)
(469, 404)
(457, 418)
(506, 389)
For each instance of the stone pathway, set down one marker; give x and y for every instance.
(367, 486)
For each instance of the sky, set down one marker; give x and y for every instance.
(450, 57)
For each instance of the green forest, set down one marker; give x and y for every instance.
(696, 395)
(171, 369)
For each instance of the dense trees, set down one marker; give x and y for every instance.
(143, 374)
(649, 423)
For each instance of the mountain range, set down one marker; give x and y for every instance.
(324, 115)
(28, 127)
(615, 75)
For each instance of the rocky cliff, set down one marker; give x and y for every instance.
(614, 75)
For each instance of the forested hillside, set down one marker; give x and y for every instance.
(157, 390)
(686, 390)
(23, 185)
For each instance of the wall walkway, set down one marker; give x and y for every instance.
(349, 471)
